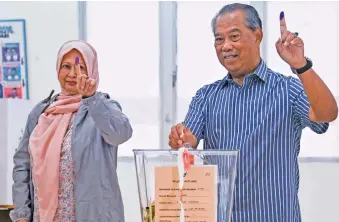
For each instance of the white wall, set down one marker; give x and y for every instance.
(126, 37)
(49, 25)
(313, 21)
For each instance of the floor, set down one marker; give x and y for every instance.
(4, 216)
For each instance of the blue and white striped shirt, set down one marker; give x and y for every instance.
(263, 119)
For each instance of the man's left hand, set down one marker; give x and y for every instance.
(86, 86)
(290, 46)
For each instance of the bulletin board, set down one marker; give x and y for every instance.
(13, 60)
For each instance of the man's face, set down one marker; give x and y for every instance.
(237, 46)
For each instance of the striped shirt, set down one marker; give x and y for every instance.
(263, 119)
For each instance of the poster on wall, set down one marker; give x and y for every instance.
(13, 60)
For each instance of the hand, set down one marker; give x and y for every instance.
(180, 135)
(86, 86)
(290, 47)
(22, 221)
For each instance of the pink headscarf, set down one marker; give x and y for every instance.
(47, 137)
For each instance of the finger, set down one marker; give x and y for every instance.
(176, 144)
(77, 66)
(91, 84)
(297, 41)
(78, 82)
(83, 82)
(284, 36)
(289, 38)
(173, 145)
(174, 134)
(173, 142)
(181, 130)
(278, 45)
(283, 26)
(87, 84)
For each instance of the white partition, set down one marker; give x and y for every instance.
(13, 116)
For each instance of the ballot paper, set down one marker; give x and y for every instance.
(199, 194)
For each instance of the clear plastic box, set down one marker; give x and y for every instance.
(205, 198)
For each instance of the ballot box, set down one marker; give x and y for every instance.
(204, 193)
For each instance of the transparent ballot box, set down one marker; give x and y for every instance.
(203, 193)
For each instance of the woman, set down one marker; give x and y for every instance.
(65, 165)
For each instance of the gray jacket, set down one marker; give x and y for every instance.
(100, 126)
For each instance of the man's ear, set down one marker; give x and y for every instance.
(258, 35)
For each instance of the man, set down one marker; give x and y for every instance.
(259, 112)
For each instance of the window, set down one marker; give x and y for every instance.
(198, 64)
(127, 41)
(317, 25)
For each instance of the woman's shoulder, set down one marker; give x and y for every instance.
(104, 94)
(42, 105)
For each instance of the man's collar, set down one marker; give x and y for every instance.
(260, 71)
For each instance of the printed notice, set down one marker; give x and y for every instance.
(199, 195)
(13, 60)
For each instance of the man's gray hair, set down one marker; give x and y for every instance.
(252, 20)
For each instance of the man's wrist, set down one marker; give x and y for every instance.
(302, 67)
(300, 64)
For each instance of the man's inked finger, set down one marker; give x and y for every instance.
(284, 36)
(283, 26)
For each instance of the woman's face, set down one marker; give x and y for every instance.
(67, 74)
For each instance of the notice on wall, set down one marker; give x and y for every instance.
(13, 60)
(199, 194)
